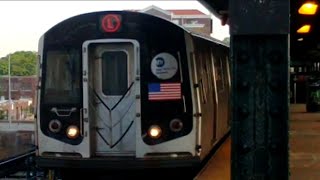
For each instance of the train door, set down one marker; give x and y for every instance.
(204, 75)
(112, 68)
(223, 91)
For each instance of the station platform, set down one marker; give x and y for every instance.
(15, 147)
(218, 167)
(304, 143)
(12, 153)
(304, 149)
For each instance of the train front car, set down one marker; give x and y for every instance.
(115, 84)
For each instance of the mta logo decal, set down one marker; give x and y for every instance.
(160, 62)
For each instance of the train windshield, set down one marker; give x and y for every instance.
(114, 83)
(62, 77)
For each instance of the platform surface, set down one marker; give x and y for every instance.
(304, 145)
(14, 145)
(218, 167)
(304, 142)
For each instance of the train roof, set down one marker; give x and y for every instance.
(194, 34)
(209, 38)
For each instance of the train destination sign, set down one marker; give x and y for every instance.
(111, 23)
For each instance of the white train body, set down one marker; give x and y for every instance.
(124, 88)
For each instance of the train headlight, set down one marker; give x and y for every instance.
(176, 125)
(154, 131)
(72, 132)
(55, 126)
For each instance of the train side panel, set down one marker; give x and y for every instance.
(214, 91)
(222, 69)
(37, 114)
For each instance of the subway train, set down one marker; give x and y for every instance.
(123, 89)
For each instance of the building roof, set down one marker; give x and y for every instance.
(177, 12)
(156, 8)
(186, 12)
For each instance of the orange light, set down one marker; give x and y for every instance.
(304, 29)
(72, 132)
(308, 8)
(155, 131)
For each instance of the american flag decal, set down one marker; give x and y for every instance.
(164, 91)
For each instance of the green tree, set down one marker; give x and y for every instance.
(23, 63)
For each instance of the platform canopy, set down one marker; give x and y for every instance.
(217, 7)
(304, 46)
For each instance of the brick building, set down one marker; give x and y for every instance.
(22, 87)
(23, 92)
(192, 19)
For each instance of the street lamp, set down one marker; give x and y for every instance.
(9, 89)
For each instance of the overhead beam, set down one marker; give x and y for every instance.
(217, 7)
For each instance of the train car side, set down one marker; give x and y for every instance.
(209, 67)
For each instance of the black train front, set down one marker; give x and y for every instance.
(120, 88)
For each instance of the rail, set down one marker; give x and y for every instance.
(16, 162)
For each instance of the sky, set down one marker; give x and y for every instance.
(23, 22)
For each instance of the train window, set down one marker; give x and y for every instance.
(204, 78)
(209, 74)
(228, 78)
(62, 83)
(114, 73)
(219, 74)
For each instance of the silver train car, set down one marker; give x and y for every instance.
(121, 89)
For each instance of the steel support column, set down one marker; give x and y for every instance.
(260, 59)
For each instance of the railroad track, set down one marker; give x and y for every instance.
(12, 167)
